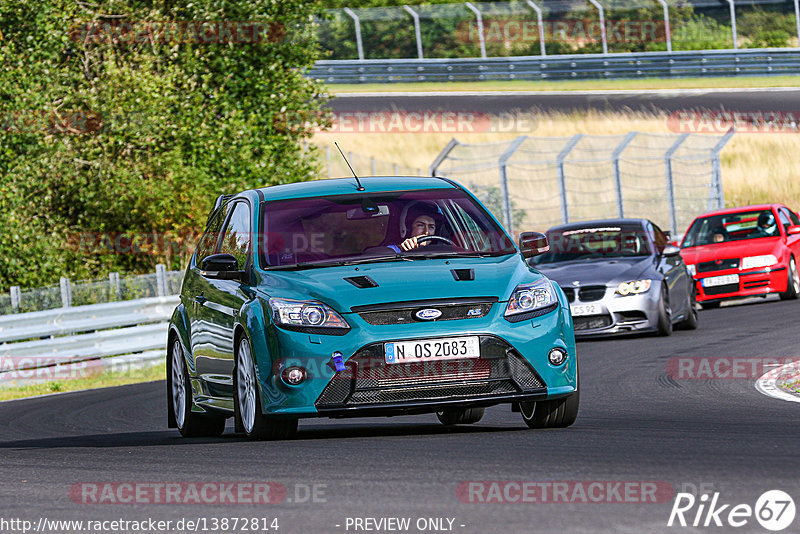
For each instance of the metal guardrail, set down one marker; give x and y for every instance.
(47, 345)
(762, 61)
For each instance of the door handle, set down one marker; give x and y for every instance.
(200, 299)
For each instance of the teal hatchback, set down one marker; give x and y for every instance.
(389, 296)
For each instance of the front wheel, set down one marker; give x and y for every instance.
(558, 413)
(248, 405)
(691, 322)
(664, 325)
(792, 284)
(189, 424)
(460, 416)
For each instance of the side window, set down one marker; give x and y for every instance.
(784, 216)
(660, 239)
(236, 239)
(793, 217)
(209, 240)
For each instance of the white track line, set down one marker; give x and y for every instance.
(767, 383)
(598, 92)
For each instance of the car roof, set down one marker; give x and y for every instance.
(597, 223)
(344, 186)
(728, 211)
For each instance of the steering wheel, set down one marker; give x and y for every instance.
(425, 238)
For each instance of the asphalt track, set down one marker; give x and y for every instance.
(636, 423)
(742, 100)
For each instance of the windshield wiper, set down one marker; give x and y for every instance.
(434, 255)
(337, 263)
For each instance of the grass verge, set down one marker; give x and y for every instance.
(722, 82)
(107, 379)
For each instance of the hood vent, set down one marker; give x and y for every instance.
(463, 275)
(362, 282)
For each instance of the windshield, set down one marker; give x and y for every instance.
(595, 242)
(365, 227)
(731, 227)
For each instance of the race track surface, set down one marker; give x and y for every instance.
(741, 100)
(636, 424)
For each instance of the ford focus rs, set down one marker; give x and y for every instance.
(620, 276)
(741, 252)
(392, 296)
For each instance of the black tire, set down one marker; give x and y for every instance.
(190, 424)
(558, 413)
(710, 305)
(793, 282)
(691, 322)
(664, 325)
(246, 397)
(460, 416)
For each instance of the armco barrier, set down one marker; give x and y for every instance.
(750, 62)
(130, 332)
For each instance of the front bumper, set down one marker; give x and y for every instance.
(617, 314)
(513, 366)
(755, 282)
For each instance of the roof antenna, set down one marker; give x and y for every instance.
(360, 187)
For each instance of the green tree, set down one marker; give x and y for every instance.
(109, 130)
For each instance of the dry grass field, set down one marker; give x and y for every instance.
(756, 167)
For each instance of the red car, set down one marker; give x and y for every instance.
(742, 252)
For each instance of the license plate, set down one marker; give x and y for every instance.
(585, 309)
(426, 350)
(720, 280)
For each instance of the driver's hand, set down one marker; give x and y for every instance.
(410, 243)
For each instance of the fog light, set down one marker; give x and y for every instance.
(557, 356)
(293, 375)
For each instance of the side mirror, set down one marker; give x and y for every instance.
(670, 250)
(532, 244)
(221, 267)
(793, 229)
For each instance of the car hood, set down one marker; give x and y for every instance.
(731, 249)
(597, 271)
(400, 281)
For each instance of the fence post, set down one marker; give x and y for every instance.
(442, 156)
(396, 170)
(733, 25)
(372, 165)
(673, 218)
(666, 24)
(603, 36)
(115, 289)
(66, 293)
(541, 26)
(416, 30)
(506, 198)
(161, 280)
(357, 22)
(617, 178)
(479, 18)
(797, 19)
(716, 199)
(16, 299)
(562, 179)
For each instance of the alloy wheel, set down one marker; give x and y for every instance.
(246, 386)
(178, 385)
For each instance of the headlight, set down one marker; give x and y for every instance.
(305, 313)
(751, 262)
(633, 288)
(531, 297)
(692, 268)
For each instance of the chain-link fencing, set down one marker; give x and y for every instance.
(539, 182)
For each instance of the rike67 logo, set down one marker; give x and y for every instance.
(774, 510)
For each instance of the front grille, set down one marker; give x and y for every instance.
(369, 380)
(755, 283)
(591, 293)
(719, 290)
(710, 266)
(590, 322)
(404, 313)
(570, 293)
